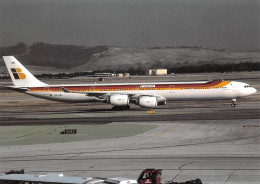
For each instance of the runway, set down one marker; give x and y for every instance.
(188, 140)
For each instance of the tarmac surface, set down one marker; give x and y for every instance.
(188, 140)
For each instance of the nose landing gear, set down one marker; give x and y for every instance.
(233, 102)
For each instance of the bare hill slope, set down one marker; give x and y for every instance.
(122, 58)
(80, 58)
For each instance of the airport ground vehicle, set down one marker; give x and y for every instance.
(153, 176)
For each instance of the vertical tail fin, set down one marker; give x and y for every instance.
(19, 74)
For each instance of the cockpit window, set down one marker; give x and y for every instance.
(247, 86)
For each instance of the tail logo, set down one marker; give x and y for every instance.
(17, 73)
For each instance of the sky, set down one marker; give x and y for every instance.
(215, 24)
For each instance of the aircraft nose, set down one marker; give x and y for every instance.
(254, 90)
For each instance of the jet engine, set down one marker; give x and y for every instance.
(161, 102)
(147, 101)
(118, 100)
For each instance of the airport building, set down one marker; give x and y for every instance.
(120, 75)
(156, 72)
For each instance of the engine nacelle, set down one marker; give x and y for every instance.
(147, 101)
(161, 103)
(118, 100)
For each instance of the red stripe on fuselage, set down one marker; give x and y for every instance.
(127, 86)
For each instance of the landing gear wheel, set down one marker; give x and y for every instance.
(233, 102)
(121, 108)
(116, 108)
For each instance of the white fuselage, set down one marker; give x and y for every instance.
(168, 91)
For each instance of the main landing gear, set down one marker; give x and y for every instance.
(121, 108)
(233, 102)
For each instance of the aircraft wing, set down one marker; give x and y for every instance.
(104, 95)
(101, 95)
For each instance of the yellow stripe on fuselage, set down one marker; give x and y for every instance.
(222, 84)
(174, 87)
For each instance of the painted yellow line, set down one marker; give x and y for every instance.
(251, 126)
(150, 112)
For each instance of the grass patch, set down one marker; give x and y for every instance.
(27, 135)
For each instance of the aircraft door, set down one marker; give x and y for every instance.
(171, 88)
(234, 87)
(92, 88)
(46, 91)
(137, 88)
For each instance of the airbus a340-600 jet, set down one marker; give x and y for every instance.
(120, 95)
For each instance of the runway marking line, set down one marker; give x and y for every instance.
(167, 130)
(82, 114)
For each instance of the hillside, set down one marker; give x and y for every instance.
(81, 58)
(48, 55)
(122, 58)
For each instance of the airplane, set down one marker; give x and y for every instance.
(120, 95)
